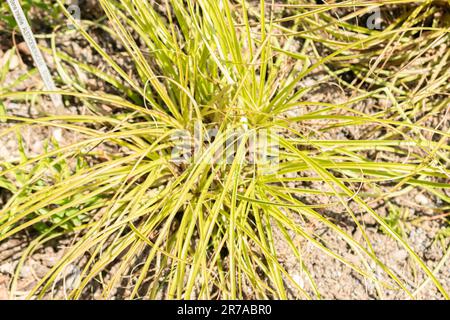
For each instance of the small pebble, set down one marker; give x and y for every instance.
(422, 199)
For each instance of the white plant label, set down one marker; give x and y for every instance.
(36, 54)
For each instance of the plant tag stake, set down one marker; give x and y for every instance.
(36, 54)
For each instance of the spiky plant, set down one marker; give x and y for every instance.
(203, 218)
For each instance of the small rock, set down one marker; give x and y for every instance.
(400, 255)
(10, 58)
(422, 199)
(23, 48)
(57, 134)
(26, 271)
(299, 280)
(37, 147)
(8, 267)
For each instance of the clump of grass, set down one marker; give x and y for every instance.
(200, 221)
